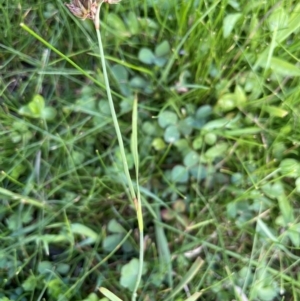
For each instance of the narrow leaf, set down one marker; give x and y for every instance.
(111, 296)
(163, 250)
(194, 297)
(187, 277)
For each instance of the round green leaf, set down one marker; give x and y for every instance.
(48, 113)
(146, 56)
(115, 227)
(290, 168)
(120, 73)
(204, 112)
(129, 273)
(183, 146)
(210, 138)
(110, 242)
(218, 150)
(63, 268)
(104, 107)
(162, 49)
(197, 143)
(179, 174)
(115, 22)
(166, 118)
(44, 267)
(158, 144)
(160, 61)
(138, 82)
(185, 126)
(171, 134)
(226, 102)
(149, 128)
(191, 159)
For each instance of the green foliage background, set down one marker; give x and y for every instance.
(218, 89)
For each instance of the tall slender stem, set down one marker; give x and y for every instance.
(135, 198)
(112, 107)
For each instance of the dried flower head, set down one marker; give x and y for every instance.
(83, 9)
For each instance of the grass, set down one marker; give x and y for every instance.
(217, 85)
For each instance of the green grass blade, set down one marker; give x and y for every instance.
(187, 277)
(107, 293)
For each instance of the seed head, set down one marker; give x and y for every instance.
(83, 9)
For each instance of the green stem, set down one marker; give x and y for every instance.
(136, 199)
(112, 107)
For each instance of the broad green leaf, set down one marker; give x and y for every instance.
(30, 283)
(179, 174)
(138, 82)
(129, 274)
(120, 73)
(146, 56)
(149, 128)
(166, 118)
(162, 49)
(37, 105)
(116, 23)
(104, 107)
(197, 143)
(186, 126)
(160, 61)
(115, 227)
(48, 113)
(34, 108)
(229, 23)
(158, 144)
(133, 23)
(191, 159)
(110, 242)
(210, 138)
(63, 268)
(290, 168)
(226, 102)
(204, 112)
(44, 267)
(171, 134)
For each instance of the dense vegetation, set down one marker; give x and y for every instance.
(217, 84)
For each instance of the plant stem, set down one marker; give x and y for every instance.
(136, 199)
(112, 109)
